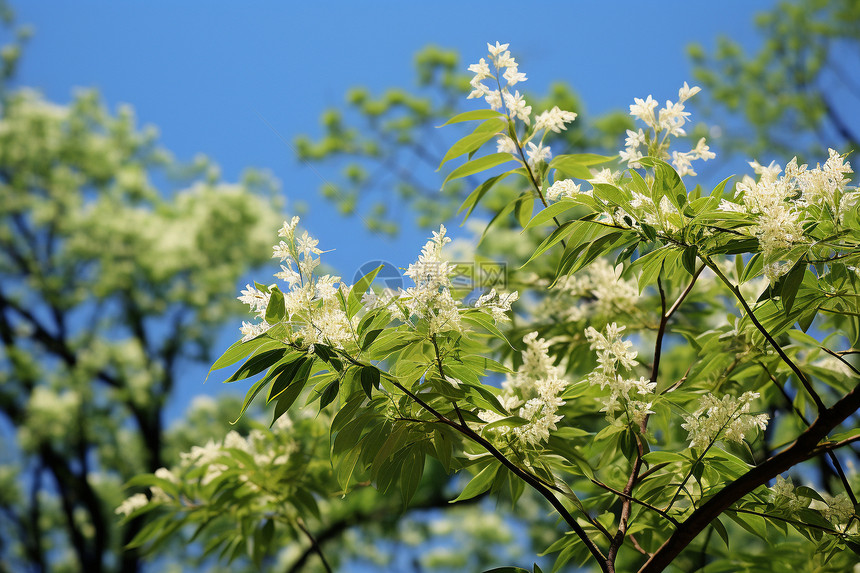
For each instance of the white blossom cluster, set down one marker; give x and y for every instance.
(614, 352)
(132, 504)
(532, 393)
(515, 105)
(838, 509)
(430, 298)
(666, 123)
(314, 310)
(727, 418)
(564, 189)
(597, 292)
(499, 304)
(780, 204)
(784, 495)
(259, 444)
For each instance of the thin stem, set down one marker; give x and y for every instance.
(800, 375)
(536, 484)
(653, 508)
(314, 544)
(786, 520)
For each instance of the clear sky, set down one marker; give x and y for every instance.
(203, 71)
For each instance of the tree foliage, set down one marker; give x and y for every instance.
(679, 350)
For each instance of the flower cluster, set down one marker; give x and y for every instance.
(614, 352)
(553, 120)
(780, 204)
(597, 292)
(728, 419)
(534, 390)
(838, 509)
(431, 298)
(499, 304)
(784, 496)
(667, 122)
(268, 449)
(564, 189)
(314, 312)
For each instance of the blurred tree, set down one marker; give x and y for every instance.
(798, 95)
(109, 288)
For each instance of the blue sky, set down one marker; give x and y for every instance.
(204, 72)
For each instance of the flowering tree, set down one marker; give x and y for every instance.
(676, 352)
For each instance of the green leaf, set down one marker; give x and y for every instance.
(524, 209)
(480, 483)
(358, 290)
(275, 310)
(413, 470)
(470, 143)
(791, 284)
(610, 194)
(472, 115)
(239, 350)
(721, 530)
(475, 196)
(555, 237)
(478, 165)
(509, 422)
(329, 393)
(479, 319)
(547, 214)
(753, 268)
(369, 379)
(688, 259)
(569, 161)
(257, 364)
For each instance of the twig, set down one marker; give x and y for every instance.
(314, 543)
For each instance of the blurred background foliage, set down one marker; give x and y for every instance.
(119, 265)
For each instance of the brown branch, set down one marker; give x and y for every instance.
(803, 448)
(314, 543)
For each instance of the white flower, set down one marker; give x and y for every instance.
(644, 110)
(537, 153)
(289, 275)
(686, 92)
(554, 120)
(494, 99)
(513, 76)
(256, 299)
(480, 90)
(505, 144)
(517, 107)
(497, 49)
(132, 504)
(535, 389)
(728, 419)
(564, 188)
(289, 228)
(612, 352)
(481, 70)
(839, 509)
(498, 304)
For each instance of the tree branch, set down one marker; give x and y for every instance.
(803, 448)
